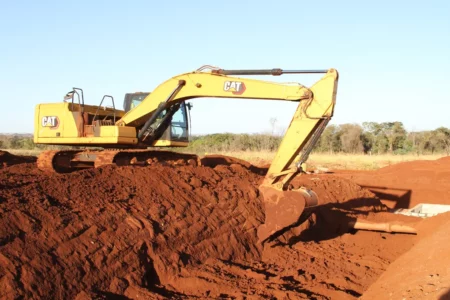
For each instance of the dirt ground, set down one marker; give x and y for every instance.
(7, 159)
(180, 232)
(407, 184)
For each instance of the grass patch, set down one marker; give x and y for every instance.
(333, 161)
(23, 152)
(364, 162)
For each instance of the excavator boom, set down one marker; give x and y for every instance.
(211, 85)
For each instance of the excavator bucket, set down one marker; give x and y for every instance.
(284, 210)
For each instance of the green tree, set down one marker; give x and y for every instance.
(351, 138)
(27, 143)
(382, 137)
(374, 138)
(428, 142)
(442, 136)
(395, 134)
(330, 140)
(14, 142)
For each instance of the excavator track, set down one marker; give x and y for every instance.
(105, 158)
(45, 161)
(58, 161)
(66, 161)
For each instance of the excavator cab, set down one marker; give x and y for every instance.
(178, 132)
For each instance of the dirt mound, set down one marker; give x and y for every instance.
(8, 159)
(180, 232)
(415, 275)
(407, 184)
(100, 230)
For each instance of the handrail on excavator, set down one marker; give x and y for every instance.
(273, 72)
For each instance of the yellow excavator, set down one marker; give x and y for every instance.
(161, 119)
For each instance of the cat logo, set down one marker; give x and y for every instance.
(51, 122)
(236, 87)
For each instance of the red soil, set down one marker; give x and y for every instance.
(162, 231)
(8, 159)
(407, 184)
(424, 271)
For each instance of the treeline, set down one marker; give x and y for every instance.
(25, 142)
(17, 142)
(369, 138)
(222, 142)
(379, 138)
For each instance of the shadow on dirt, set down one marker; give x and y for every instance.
(7, 159)
(247, 267)
(401, 197)
(110, 296)
(445, 296)
(331, 220)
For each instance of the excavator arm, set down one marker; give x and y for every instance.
(284, 208)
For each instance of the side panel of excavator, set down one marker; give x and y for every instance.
(55, 120)
(63, 124)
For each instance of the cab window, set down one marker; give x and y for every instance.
(179, 126)
(136, 100)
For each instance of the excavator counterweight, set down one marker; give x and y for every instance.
(161, 119)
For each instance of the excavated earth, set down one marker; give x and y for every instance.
(7, 159)
(166, 231)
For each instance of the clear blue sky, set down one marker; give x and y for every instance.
(393, 56)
